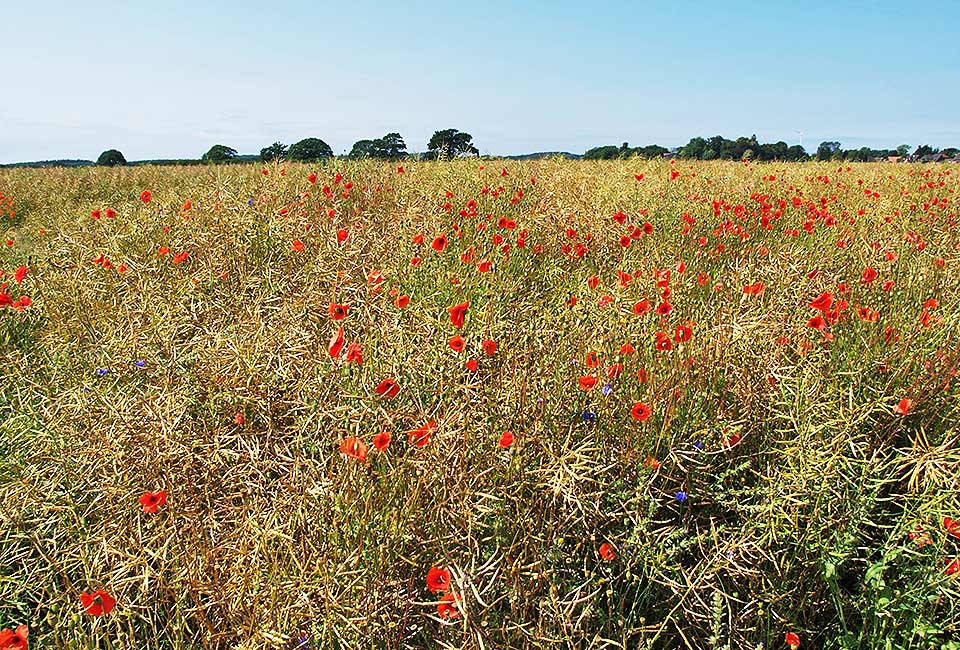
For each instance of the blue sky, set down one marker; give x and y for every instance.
(170, 79)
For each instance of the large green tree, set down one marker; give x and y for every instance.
(111, 158)
(451, 143)
(309, 149)
(363, 149)
(276, 151)
(219, 153)
(827, 150)
(390, 146)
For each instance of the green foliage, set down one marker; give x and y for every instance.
(827, 150)
(308, 150)
(450, 143)
(389, 147)
(111, 158)
(219, 153)
(276, 151)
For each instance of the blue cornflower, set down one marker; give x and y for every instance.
(589, 417)
(139, 363)
(699, 445)
(682, 496)
(84, 390)
(102, 371)
(250, 202)
(607, 389)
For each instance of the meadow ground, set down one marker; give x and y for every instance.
(629, 404)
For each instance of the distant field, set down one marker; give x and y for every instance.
(630, 404)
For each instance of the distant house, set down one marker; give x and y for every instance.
(893, 158)
(955, 159)
(933, 158)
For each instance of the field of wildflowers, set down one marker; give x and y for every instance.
(480, 404)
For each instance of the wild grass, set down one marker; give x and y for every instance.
(270, 534)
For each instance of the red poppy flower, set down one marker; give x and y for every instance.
(952, 526)
(506, 439)
(458, 313)
(592, 360)
(587, 383)
(817, 323)
(402, 301)
(421, 435)
(354, 353)
(457, 343)
(98, 603)
(336, 344)
(382, 440)
(953, 567)
(903, 407)
(607, 552)
(312, 177)
(823, 301)
(754, 289)
(448, 606)
(642, 307)
(489, 347)
(388, 388)
(439, 244)
(152, 500)
(145, 196)
(298, 246)
(342, 236)
(664, 309)
(112, 214)
(869, 275)
(640, 412)
(95, 214)
(20, 274)
(14, 639)
(627, 349)
(792, 640)
(682, 333)
(438, 580)
(180, 257)
(354, 448)
(338, 312)
(239, 418)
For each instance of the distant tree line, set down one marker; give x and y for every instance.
(612, 152)
(744, 148)
(453, 143)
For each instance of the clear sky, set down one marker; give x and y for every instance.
(170, 78)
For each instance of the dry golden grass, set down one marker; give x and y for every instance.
(270, 533)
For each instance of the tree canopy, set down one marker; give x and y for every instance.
(309, 149)
(111, 158)
(390, 146)
(611, 152)
(276, 151)
(451, 143)
(219, 153)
